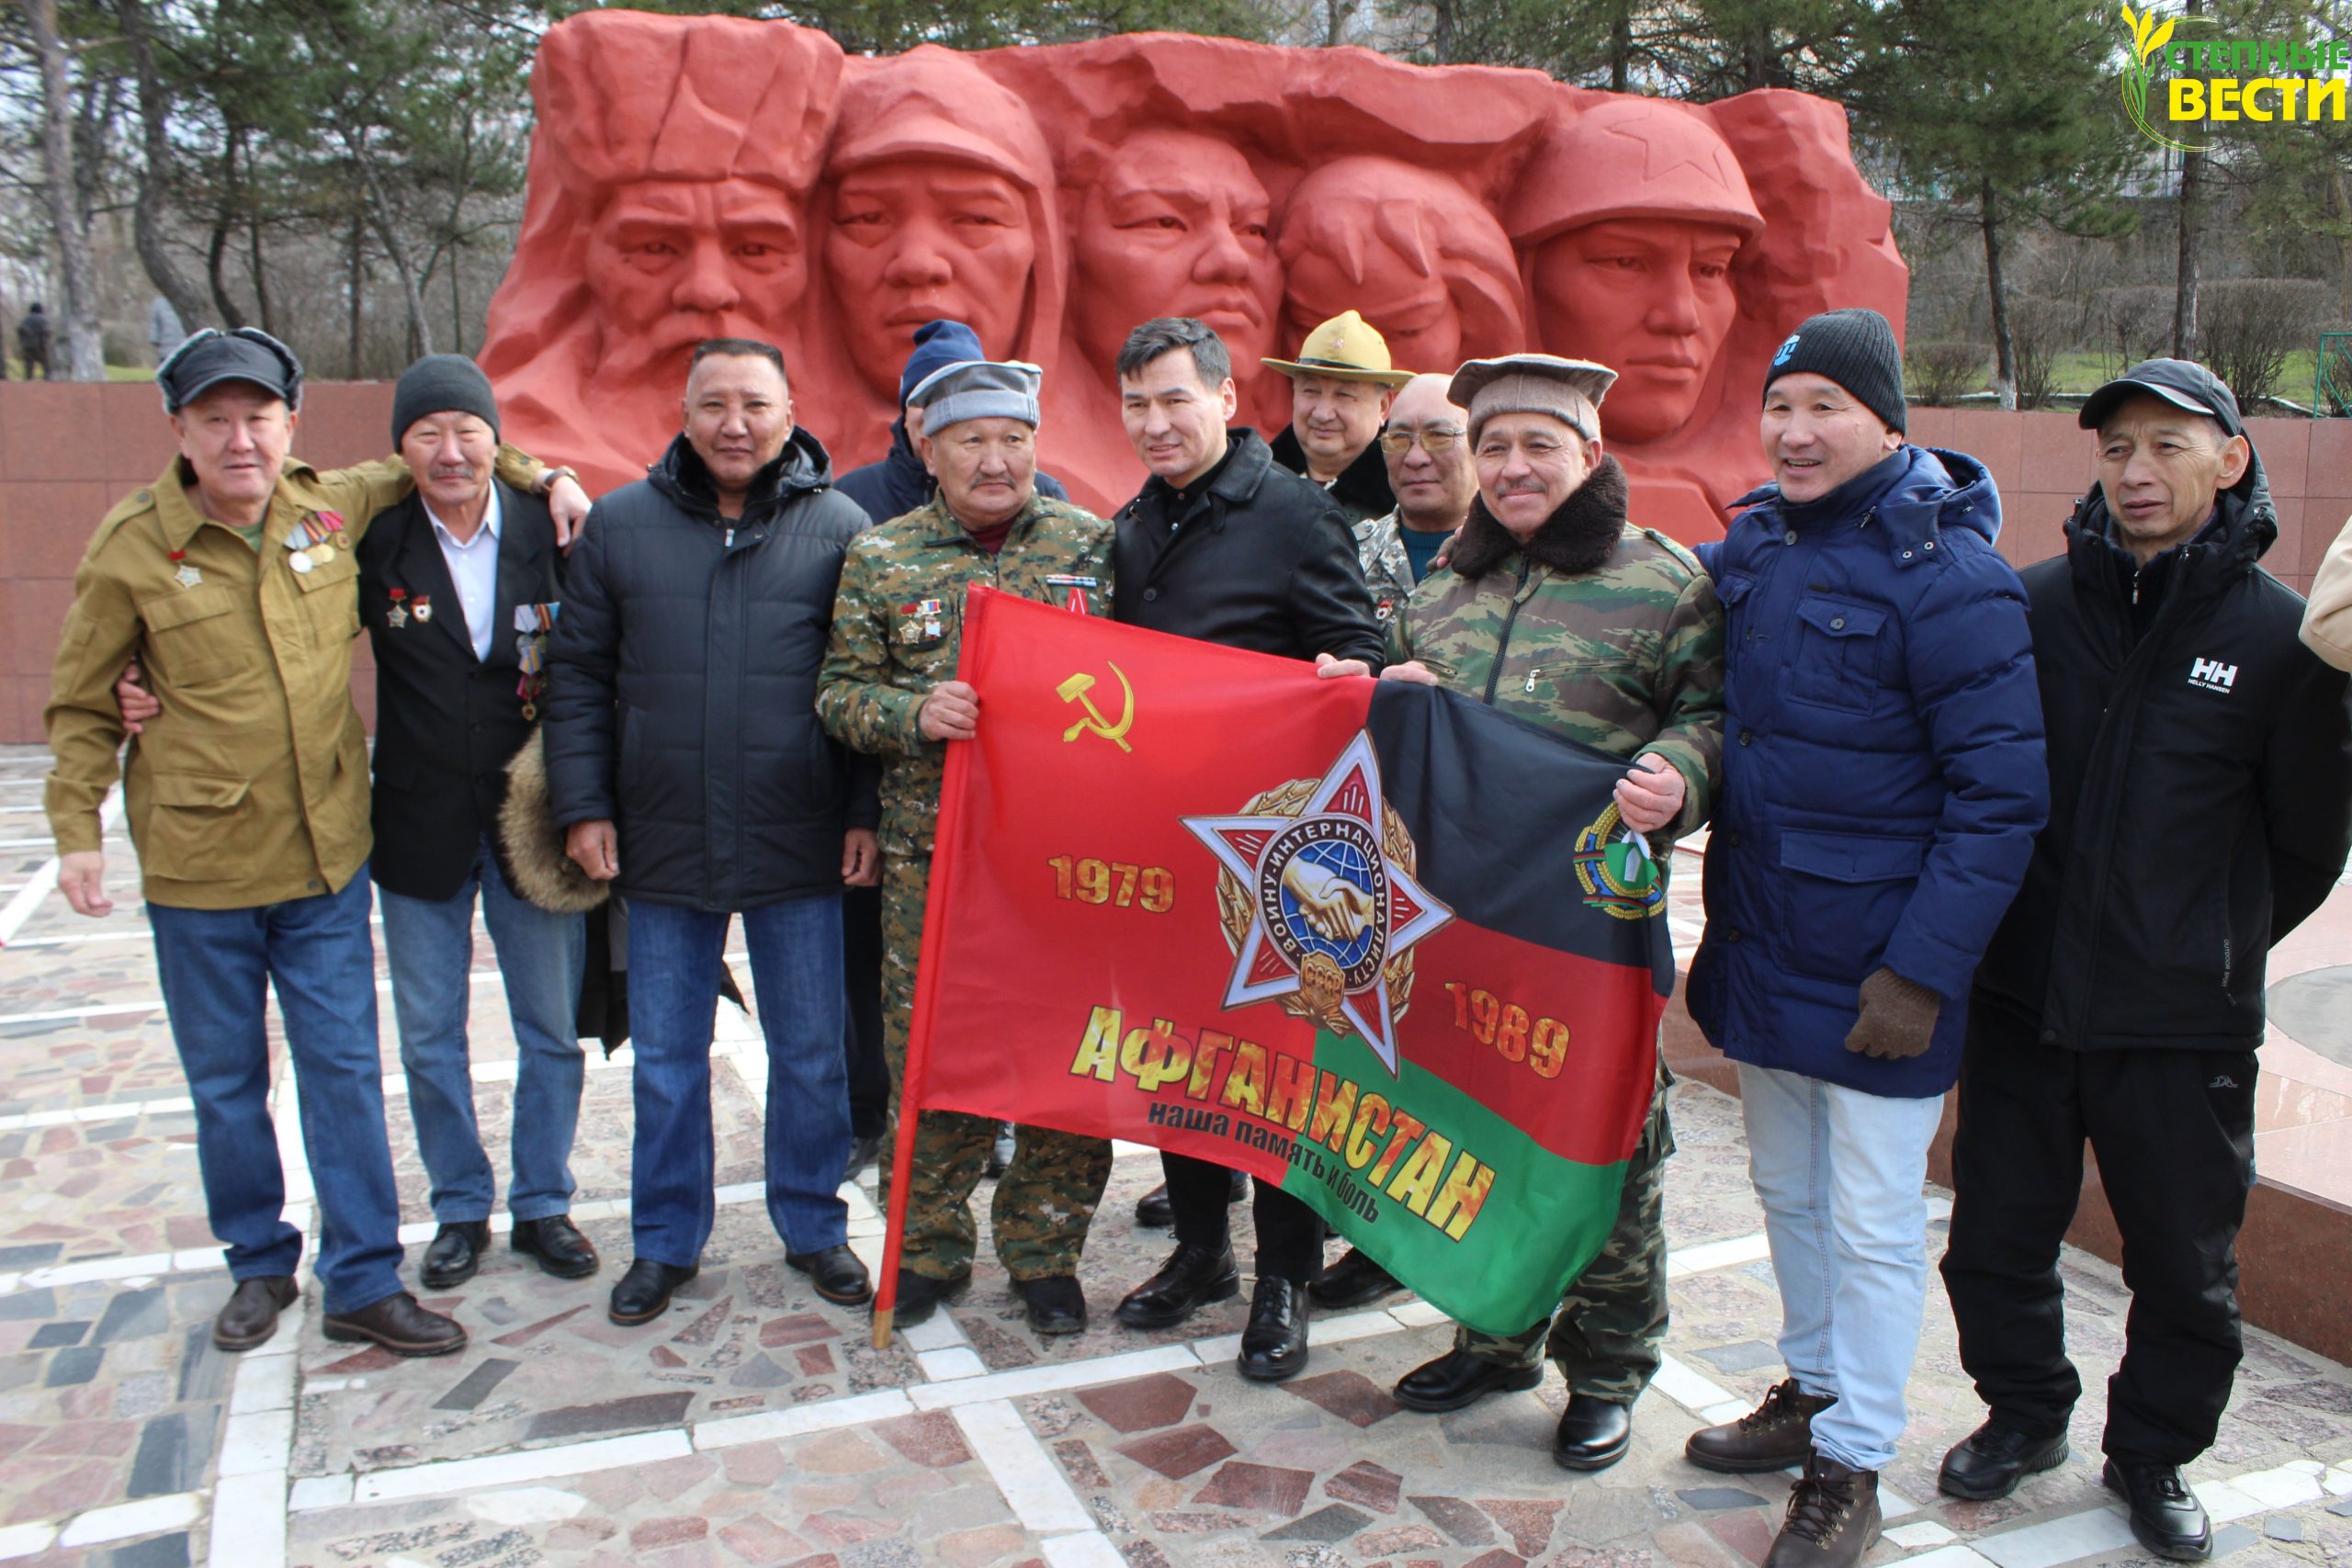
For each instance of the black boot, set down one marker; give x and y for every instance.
(1354, 1280)
(1594, 1433)
(1055, 1304)
(1273, 1346)
(1458, 1379)
(1991, 1460)
(838, 1274)
(454, 1254)
(1192, 1277)
(920, 1295)
(2165, 1515)
(643, 1293)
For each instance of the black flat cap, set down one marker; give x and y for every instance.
(210, 357)
(2182, 382)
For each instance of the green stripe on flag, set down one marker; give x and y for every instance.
(1485, 1224)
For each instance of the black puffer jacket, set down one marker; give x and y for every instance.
(2200, 789)
(682, 699)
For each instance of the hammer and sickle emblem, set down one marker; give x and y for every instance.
(1075, 690)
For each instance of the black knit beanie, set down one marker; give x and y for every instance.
(1854, 348)
(440, 383)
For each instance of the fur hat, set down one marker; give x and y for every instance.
(544, 875)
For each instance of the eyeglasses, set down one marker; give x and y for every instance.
(1399, 442)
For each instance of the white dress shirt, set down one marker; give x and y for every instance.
(473, 567)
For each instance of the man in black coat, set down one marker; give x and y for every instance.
(458, 587)
(686, 761)
(2200, 782)
(1223, 546)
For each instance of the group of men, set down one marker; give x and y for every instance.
(745, 687)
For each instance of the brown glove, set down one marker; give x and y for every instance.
(1898, 1017)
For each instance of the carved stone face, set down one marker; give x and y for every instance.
(1177, 226)
(908, 242)
(1650, 298)
(673, 262)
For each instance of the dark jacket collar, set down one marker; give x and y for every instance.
(2244, 526)
(1234, 478)
(1363, 484)
(1579, 537)
(1914, 493)
(802, 467)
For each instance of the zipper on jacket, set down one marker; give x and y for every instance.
(1495, 673)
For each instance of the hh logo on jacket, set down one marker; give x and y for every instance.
(2212, 675)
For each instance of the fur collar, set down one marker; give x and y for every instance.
(1579, 537)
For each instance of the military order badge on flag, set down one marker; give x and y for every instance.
(1375, 943)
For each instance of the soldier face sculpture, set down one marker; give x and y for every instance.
(1652, 298)
(908, 242)
(673, 262)
(1177, 225)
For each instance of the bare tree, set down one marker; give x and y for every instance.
(83, 356)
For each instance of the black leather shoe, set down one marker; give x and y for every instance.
(1191, 1276)
(1055, 1304)
(400, 1325)
(1154, 1208)
(1456, 1380)
(1000, 1152)
(838, 1274)
(1594, 1433)
(643, 1293)
(557, 1243)
(250, 1317)
(1273, 1346)
(454, 1254)
(2165, 1515)
(1354, 1280)
(1991, 1460)
(920, 1295)
(863, 1152)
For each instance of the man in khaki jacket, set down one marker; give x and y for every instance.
(2327, 618)
(231, 579)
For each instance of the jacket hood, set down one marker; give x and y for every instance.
(2248, 519)
(802, 467)
(1579, 536)
(1916, 491)
(1363, 484)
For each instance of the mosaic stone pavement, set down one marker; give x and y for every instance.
(755, 1425)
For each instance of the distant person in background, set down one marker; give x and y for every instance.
(33, 340)
(165, 332)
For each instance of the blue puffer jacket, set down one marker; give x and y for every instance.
(1883, 765)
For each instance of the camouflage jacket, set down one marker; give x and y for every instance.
(898, 627)
(1387, 570)
(1605, 631)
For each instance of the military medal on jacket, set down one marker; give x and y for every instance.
(187, 576)
(532, 624)
(314, 540)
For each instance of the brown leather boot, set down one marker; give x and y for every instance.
(400, 1325)
(1774, 1435)
(250, 1315)
(1832, 1520)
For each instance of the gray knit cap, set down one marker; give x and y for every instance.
(977, 389)
(442, 383)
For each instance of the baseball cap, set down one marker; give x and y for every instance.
(2182, 382)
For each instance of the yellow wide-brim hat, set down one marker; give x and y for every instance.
(1346, 347)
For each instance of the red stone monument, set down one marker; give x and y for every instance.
(696, 177)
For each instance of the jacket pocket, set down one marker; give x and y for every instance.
(1838, 655)
(331, 595)
(191, 828)
(1843, 893)
(191, 638)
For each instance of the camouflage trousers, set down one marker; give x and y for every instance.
(1606, 1335)
(1047, 1197)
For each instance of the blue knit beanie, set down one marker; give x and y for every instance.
(938, 345)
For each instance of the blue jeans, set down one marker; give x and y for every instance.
(1843, 1175)
(216, 966)
(540, 956)
(673, 957)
